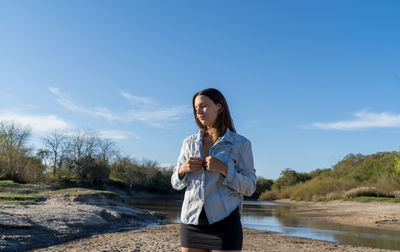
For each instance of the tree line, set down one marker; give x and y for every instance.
(84, 158)
(80, 158)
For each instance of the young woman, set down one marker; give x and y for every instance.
(216, 168)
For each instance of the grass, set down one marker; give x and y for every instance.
(7, 183)
(16, 202)
(372, 198)
(18, 199)
(17, 194)
(90, 193)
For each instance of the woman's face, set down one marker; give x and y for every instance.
(206, 110)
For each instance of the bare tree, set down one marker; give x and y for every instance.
(91, 142)
(54, 142)
(76, 145)
(107, 149)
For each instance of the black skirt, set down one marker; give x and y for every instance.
(226, 234)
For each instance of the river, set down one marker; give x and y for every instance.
(283, 219)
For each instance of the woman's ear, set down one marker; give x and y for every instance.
(220, 108)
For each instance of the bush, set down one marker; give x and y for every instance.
(91, 171)
(361, 191)
(145, 176)
(286, 192)
(387, 184)
(268, 195)
(31, 170)
(321, 186)
(335, 196)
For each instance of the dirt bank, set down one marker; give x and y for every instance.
(64, 215)
(384, 215)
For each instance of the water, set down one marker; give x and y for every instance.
(282, 219)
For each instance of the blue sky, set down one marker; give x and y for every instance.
(308, 82)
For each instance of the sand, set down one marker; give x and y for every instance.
(166, 238)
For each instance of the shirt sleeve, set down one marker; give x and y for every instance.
(242, 179)
(179, 184)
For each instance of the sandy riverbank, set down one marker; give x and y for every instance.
(64, 215)
(166, 238)
(375, 214)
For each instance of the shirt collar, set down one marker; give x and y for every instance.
(227, 137)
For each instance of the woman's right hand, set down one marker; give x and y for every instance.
(191, 164)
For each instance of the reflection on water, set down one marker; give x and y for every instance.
(281, 218)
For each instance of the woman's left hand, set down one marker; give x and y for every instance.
(214, 164)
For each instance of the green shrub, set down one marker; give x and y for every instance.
(286, 192)
(387, 184)
(91, 171)
(31, 170)
(268, 195)
(321, 186)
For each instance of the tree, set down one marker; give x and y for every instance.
(13, 147)
(91, 142)
(107, 149)
(53, 142)
(14, 135)
(290, 177)
(76, 145)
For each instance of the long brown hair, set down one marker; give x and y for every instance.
(224, 119)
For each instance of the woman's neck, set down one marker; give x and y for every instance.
(211, 131)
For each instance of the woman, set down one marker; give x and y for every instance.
(216, 167)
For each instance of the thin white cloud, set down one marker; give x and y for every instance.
(154, 117)
(65, 101)
(117, 134)
(363, 120)
(147, 101)
(158, 115)
(38, 123)
(105, 113)
(55, 91)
